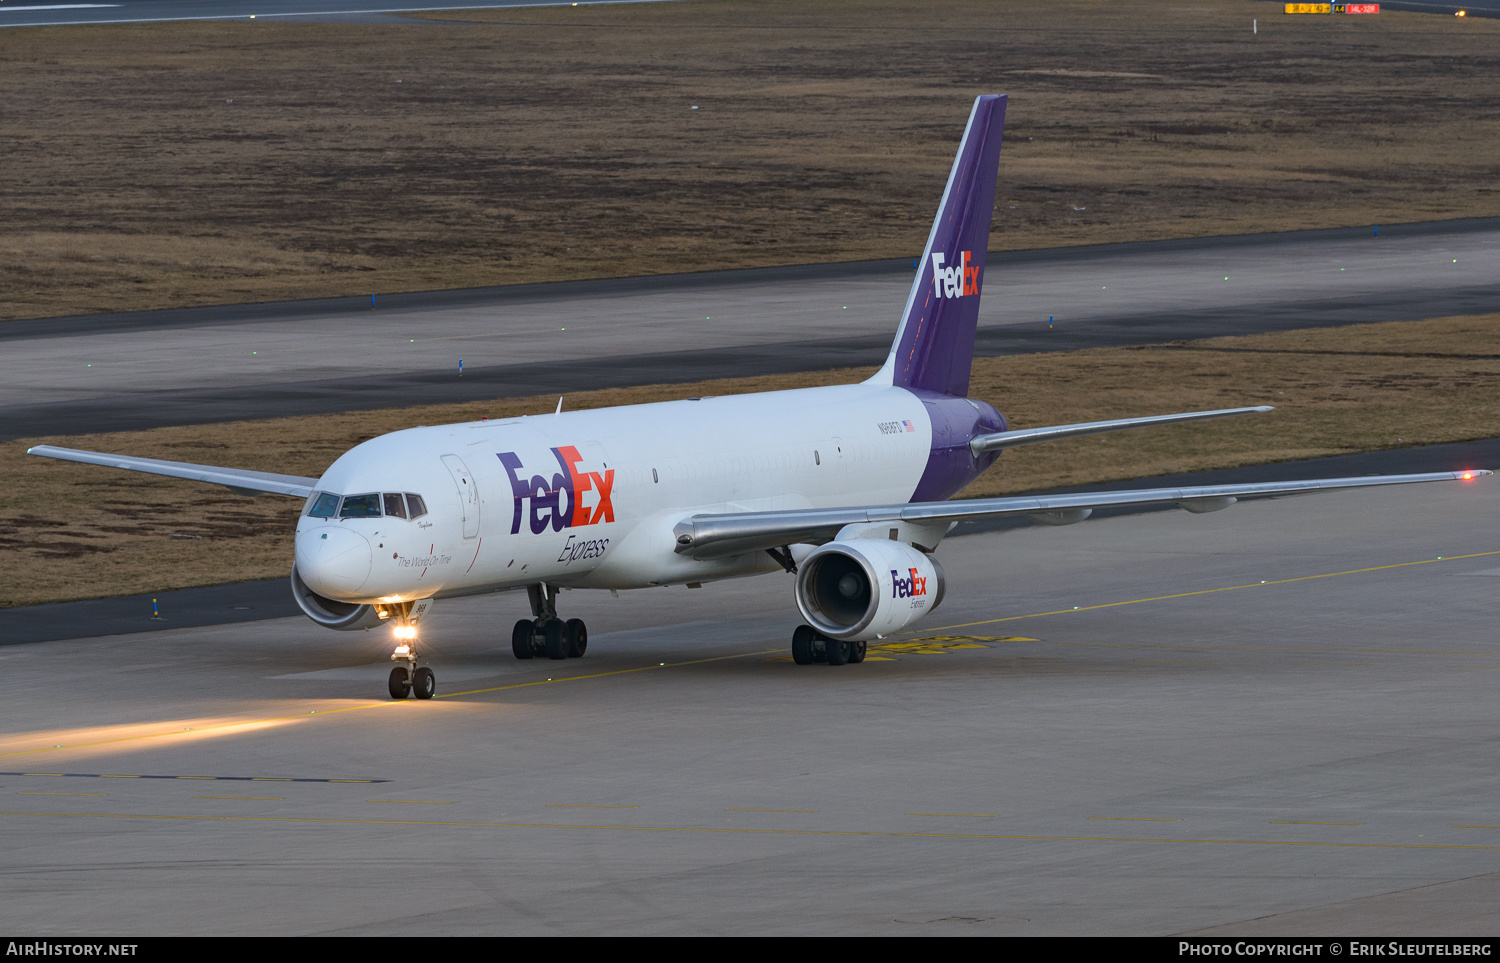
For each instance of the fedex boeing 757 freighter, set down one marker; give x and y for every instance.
(846, 487)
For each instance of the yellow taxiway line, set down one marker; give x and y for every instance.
(867, 833)
(1304, 822)
(1225, 588)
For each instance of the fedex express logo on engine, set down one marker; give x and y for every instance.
(910, 587)
(557, 502)
(958, 281)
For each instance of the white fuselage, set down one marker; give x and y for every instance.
(590, 498)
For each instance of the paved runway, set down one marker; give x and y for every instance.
(116, 372)
(1274, 719)
(40, 13)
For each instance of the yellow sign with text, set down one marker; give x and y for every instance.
(1309, 8)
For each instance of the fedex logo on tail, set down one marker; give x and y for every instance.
(557, 502)
(958, 281)
(909, 587)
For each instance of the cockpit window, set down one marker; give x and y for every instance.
(323, 505)
(416, 505)
(394, 505)
(360, 506)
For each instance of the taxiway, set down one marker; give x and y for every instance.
(61, 13)
(199, 365)
(1274, 719)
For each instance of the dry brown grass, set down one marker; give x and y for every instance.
(559, 143)
(1337, 390)
(78, 531)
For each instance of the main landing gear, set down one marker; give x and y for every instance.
(810, 645)
(546, 634)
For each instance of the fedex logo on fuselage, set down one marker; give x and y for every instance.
(957, 281)
(909, 587)
(557, 502)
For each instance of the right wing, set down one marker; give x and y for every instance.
(241, 481)
(715, 536)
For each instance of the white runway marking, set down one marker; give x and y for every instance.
(60, 6)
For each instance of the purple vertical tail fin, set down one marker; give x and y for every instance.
(935, 344)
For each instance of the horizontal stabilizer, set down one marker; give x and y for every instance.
(241, 480)
(716, 536)
(1027, 436)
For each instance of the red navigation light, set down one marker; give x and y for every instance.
(1461, 13)
(1467, 476)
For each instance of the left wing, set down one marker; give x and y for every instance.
(241, 481)
(1028, 436)
(715, 536)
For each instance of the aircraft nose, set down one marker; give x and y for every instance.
(333, 561)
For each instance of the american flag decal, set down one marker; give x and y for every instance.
(908, 425)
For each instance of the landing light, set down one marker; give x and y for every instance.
(405, 633)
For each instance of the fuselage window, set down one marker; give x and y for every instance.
(360, 506)
(323, 505)
(416, 505)
(394, 505)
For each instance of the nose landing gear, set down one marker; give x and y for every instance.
(546, 634)
(409, 678)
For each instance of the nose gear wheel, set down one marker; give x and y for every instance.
(409, 678)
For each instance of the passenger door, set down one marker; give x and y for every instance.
(468, 493)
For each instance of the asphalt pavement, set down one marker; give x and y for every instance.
(39, 14)
(1276, 720)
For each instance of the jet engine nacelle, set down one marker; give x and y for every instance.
(864, 589)
(329, 613)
